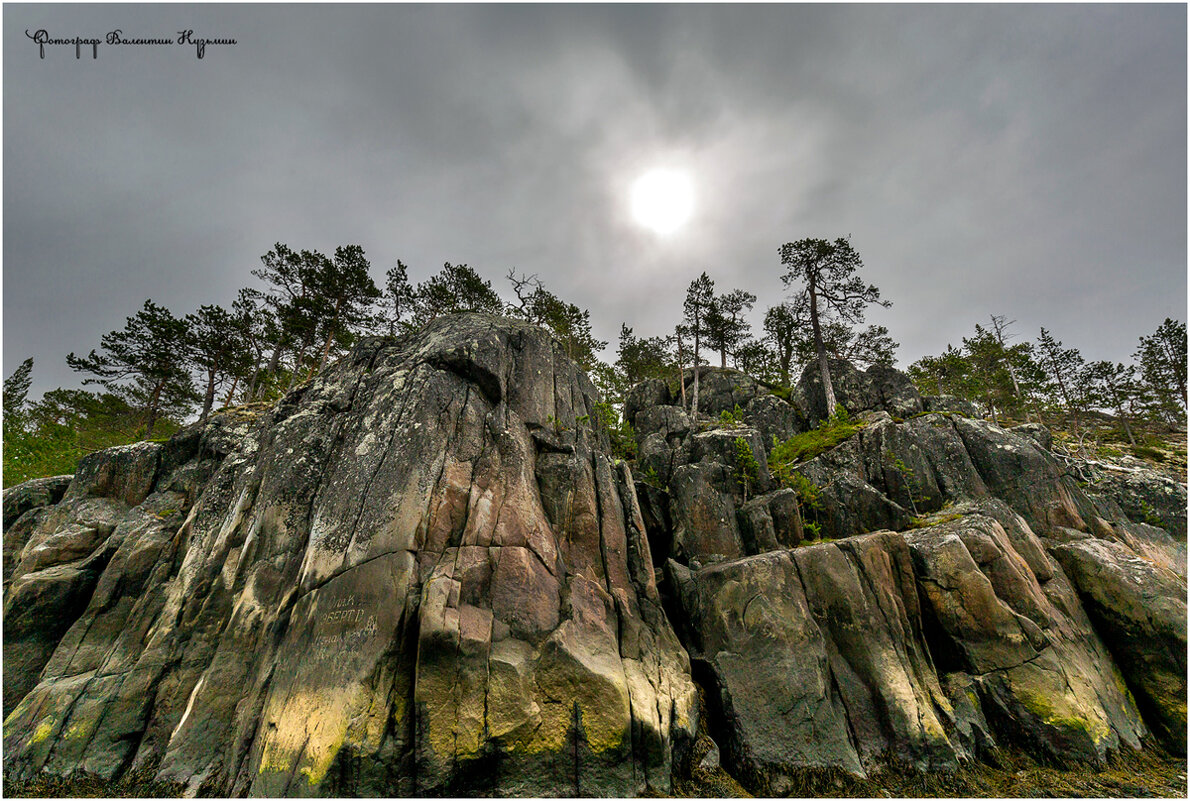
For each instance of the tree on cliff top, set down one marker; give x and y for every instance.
(347, 292)
(218, 347)
(570, 324)
(1162, 358)
(16, 392)
(398, 298)
(726, 327)
(828, 270)
(151, 351)
(457, 288)
(1062, 367)
(700, 299)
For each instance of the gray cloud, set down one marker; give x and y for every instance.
(1029, 161)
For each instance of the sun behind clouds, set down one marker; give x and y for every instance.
(663, 200)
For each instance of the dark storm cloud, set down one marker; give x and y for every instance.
(1028, 161)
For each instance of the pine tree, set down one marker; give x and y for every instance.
(700, 298)
(457, 288)
(399, 296)
(726, 327)
(1062, 367)
(782, 325)
(145, 362)
(1114, 386)
(258, 327)
(16, 393)
(346, 291)
(828, 270)
(988, 371)
(1162, 359)
(294, 300)
(217, 348)
(642, 358)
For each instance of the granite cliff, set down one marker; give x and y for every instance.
(422, 573)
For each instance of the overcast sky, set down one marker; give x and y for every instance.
(1026, 161)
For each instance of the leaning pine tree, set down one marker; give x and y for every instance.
(832, 289)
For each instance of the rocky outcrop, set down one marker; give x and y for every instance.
(954, 632)
(1141, 610)
(25, 506)
(419, 574)
(1005, 617)
(948, 403)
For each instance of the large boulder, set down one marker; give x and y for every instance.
(418, 574)
(1140, 609)
(853, 389)
(895, 392)
(33, 494)
(1144, 496)
(721, 389)
(776, 419)
(817, 660)
(950, 404)
(1001, 615)
(646, 395)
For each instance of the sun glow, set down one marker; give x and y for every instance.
(662, 200)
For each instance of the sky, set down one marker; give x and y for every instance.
(1028, 161)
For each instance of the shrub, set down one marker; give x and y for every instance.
(747, 469)
(733, 418)
(1147, 452)
(619, 431)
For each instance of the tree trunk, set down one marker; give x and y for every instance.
(326, 348)
(1173, 360)
(681, 374)
(235, 381)
(694, 402)
(274, 365)
(723, 358)
(208, 400)
(297, 363)
(820, 348)
(1127, 427)
(152, 410)
(1066, 397)
(275, 359)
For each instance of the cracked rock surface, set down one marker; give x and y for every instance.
(421, 574)
(968, 594)
(418, 574)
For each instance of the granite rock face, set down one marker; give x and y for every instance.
(983, 615)
(422, 574)
(419, 574)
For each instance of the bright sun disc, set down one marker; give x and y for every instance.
(662, 200)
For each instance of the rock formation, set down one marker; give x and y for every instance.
(418, 574)
(422, 573)
(969, 591)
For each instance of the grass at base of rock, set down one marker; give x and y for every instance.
(134, 784)
(1148, 773)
